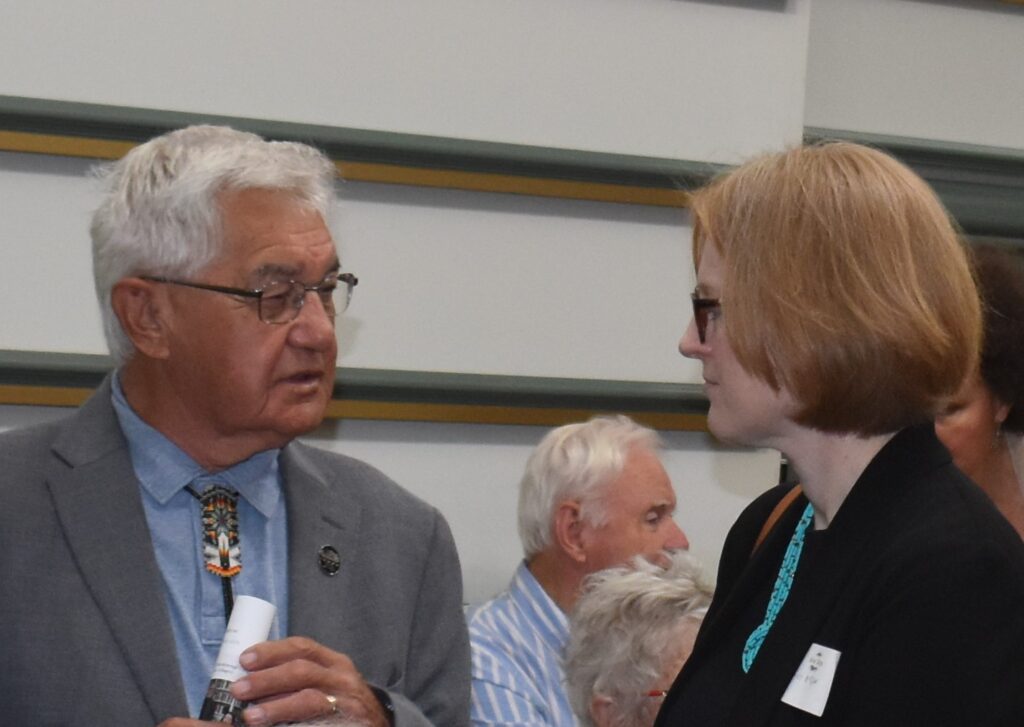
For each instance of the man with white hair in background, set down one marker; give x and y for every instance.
(632, 630)
(593, 495)
(128, 529)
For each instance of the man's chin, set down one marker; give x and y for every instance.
(300, 418)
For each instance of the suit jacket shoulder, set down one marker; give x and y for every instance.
(359, 480)
(739, 542)
(83, 603)
(394, 605)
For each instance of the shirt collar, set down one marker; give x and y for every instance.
(550, 620)
(163, 469)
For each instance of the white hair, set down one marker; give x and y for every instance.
(161, 216)
(620, 628)
(574, 462)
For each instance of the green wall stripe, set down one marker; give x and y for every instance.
(982, 186)
(122, 123)
(65, 370)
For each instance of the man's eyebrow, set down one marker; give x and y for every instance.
(288, 272)
(274, 270)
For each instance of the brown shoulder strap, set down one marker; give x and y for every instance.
(775, 514)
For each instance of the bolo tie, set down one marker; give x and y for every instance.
(221, 554)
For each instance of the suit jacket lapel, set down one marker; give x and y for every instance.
(317, 518)
(98, 504)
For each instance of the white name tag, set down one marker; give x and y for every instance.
(812, 682)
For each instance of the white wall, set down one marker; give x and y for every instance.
(504, 284)
(947, 71)
(46, 278)
(451, 281)
(687, 79)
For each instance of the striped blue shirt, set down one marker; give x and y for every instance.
(517, 643)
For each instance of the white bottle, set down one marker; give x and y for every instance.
(250, 622)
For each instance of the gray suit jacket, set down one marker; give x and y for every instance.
(85, 637)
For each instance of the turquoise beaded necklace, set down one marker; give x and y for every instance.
(783, 582)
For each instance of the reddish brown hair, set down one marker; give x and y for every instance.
(846, 283)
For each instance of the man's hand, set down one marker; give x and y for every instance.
(297, 679)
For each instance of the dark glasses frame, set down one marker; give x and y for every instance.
(702, 308)
(291, 291)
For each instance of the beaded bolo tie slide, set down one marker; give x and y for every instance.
(221, 552)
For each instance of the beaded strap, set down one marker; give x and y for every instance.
(780, 592)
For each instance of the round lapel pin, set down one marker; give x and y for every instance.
(329, 559)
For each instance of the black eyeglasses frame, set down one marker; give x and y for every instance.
(702, 308)
(257, 294)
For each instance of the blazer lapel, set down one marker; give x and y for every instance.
(317, 520)
(797, 628)
(98, 504)
(868, 513)
(763, 567)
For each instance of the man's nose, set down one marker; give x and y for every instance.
(313, 327)
(677, 539)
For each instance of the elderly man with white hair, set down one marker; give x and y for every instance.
(594, 495)
(631, 632)
(128, 528)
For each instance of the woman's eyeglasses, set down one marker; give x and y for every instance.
(703, 309)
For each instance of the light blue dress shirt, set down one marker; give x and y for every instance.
(194, 596)
(517, 641)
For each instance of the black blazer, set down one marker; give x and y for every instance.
(919, 585)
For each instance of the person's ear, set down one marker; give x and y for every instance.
(141, 310)
(602, 710)
(1002, 411)
(568, 528)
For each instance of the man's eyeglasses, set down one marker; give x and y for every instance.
(280, 302)
(703, 308)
